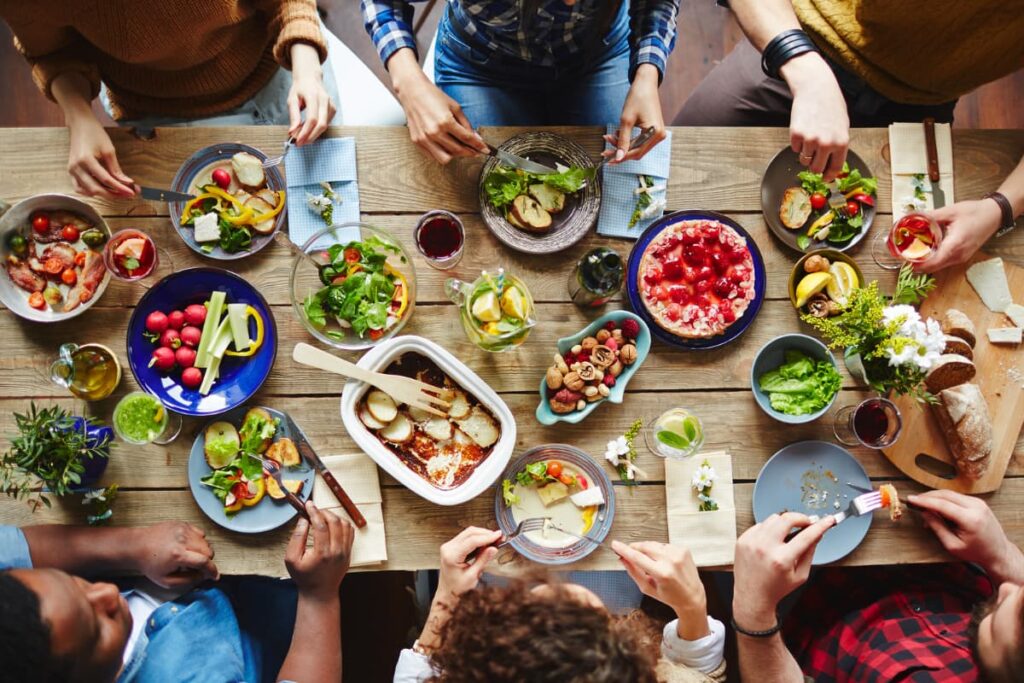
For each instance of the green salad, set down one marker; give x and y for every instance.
(801, 385)
(504, 184)
(837, 226)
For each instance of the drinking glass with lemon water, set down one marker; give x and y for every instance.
(676, 433)
(496, 310)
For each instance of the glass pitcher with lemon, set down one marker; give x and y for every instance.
(496, 309)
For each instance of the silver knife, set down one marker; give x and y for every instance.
(307, 452)
(516, 161)
(938, 196)
(158, 195)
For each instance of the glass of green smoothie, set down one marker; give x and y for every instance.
(140, 418)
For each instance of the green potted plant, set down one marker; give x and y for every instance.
(54, 453)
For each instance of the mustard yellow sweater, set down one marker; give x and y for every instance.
(185, 58)
(919, 51)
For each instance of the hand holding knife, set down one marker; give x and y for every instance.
(307, 452)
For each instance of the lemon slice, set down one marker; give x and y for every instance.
(810, 285)
(513, 303)
(485, 307)
(844, 280)
(679, 431)
(916, 250)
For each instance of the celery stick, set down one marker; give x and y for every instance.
(239, 326)
(213, 313)
(210, 376)
(221, 340)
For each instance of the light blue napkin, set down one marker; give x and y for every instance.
(621, 180)
(331, 160)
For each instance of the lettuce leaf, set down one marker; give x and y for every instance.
(801, 385)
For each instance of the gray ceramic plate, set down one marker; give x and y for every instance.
(781, 175)
(572, 223)
(810, 477)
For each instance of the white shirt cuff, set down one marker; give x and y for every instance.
(704, 654)
(412, 668)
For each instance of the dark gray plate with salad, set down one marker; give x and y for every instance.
(795, 204)
(540, 213)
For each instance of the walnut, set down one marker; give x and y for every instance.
(573, 381)
(627, 354)
(554, 379)
(588, 343)
(616, 369)
(590, 391)
(560, 407)
(602, 356)
(618, 336)
(587, 372)
(560, 364)
(567, 396)
(816, 263)
(603, 335)
(818, 305)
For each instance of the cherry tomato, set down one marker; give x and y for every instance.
(53, 266)
(567, 479)
(375, 334)
(36, 301)
(69, 277)
(69, 233)
(554, 468)
(221, 177)
(582, 482)
(852, 208)
(352, 255)
(817, 201)
(80, 259)
(40, 222)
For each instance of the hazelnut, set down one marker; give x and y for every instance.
(603, 335)
(560, 364)
(581, 404)
(573, 381)
(587, 372)
(816, 263)
(602, 356)
(554, 379)
(619, 338)
(588, 343)
(560, 407)
(576, 349)
(616, 369)
(603, 389)
(590, 391)
(627, 354)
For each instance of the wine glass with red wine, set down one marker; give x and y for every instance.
(874, 423)
(440, 237)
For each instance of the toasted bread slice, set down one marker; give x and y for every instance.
(263, 414)
(269, 196)
(258, 206)
(275, 492)
(795, 208)
(248, 171)
(242, 196)
(891, 500)
(284, 452)
(550, 199)
(220, 444)
(530, 214)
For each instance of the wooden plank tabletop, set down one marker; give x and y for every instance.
(717, 169)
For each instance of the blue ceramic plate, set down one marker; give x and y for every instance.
(633, 271)
(268, 513)
(546, 416)
(183, 182)
(810, 477)
(771, 356)
(239, 378)
(595, 475)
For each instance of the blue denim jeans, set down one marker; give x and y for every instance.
(499, 90)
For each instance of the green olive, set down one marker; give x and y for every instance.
(18, 244)
(94, 237)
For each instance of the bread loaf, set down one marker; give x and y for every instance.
(958, 324)
(959, 346)
(949, 370)
(963, 416)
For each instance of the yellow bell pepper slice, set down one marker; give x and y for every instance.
(404, 296)
(251, 312)
(192, 203)
(273, 212)
(824, 220)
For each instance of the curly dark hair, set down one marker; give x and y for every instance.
(508, 634)
(24, 636)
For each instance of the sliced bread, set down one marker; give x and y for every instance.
(530, 214)
(795, 208)
(550, 199)
(958, 324)
(249, 171)
(957, 345)
(963, 416)
(950, 370)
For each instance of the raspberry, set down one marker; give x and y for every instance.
(611, 344)
(610, 325)
(609, 380)
(569, 358)
(630, 328)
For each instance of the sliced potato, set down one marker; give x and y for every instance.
(459, 408)
(269, 196)
(399, 430)
(289, 453)
(221, 442)
(275, 492)
(369, 420)
(242, 196)
(480, 427)
(438, 428)
(263, 415)
(460, 437)
(419, 415)
(381, 406)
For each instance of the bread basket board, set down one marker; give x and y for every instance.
(1000, 376)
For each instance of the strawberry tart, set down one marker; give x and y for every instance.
(696, 278)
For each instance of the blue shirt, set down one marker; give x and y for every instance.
(193, 638)
(557, 32)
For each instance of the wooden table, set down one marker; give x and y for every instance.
(716, 169)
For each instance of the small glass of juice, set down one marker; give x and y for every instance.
(140, 418)
(873, 423)
(90, 371)
(677, 433)
(440, 237)
(914, 238)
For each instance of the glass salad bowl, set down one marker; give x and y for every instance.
(353, 286)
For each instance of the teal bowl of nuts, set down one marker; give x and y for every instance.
(593, 366)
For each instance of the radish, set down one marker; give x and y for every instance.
(170, 339)
(192, 377)
(221, 177)
(156, 322)
(163, 359)
(195, 314)
(185, 356)
(190, 336)
(175, 320)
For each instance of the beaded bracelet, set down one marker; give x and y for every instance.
(757, 634)
(784, 47)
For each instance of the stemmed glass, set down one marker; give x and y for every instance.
(875, 423)
(913, 238)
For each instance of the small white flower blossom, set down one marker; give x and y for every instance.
(95, 494)
(317, 202)
(704, 477)
(616, 449)
(916, 341)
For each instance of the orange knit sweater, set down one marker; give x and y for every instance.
(186, 58)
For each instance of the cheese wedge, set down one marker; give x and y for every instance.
(1015, 312)
(1005, 335)
(587, 497)
(207, 228)
(989, 280)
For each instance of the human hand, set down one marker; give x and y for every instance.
(819, 126)
(308, 94)
(966, 226)
(92, 161)
(970, 532)
(174, 554)
(667, 574)
(458, 576)
(318, 571)
(767, 568)
(642, 109)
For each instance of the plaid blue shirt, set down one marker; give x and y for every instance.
(558, 31)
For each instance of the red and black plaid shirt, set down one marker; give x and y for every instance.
(888, 624)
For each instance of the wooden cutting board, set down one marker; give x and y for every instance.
(1000, 377)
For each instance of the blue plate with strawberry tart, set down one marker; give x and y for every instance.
(697, 279)
(202, 340)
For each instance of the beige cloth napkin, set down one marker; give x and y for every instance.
(357, 474)
(710, 536)
(908, 156)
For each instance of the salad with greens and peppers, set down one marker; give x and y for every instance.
(529, 200)
(806, 208)
(362, 293)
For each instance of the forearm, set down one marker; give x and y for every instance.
(1013, 188)
(404, 69)
(440, 610)
(85, 550)
(765, 659)
(305, 60)
(72, 90)
(315, 652)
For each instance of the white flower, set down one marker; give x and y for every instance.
(616, 449)
(704, 477)
(95, 494)
(317, 202)
(908, 313)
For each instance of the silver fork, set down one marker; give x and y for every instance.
(529, 524)
(864, 504)
(274, 161)
(557, 527)
(273, 468)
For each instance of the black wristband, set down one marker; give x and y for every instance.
(1008, 223)
(784, 47)
(757, 634)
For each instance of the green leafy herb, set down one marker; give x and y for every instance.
(643, 200)
(801, 385)
(918, 184)
(234, 238)
(314, 310)
(853, 180)
(912, 288)
(504, 184)
(803, 241)
(812, 182)
(255, 431)
(507, 495)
